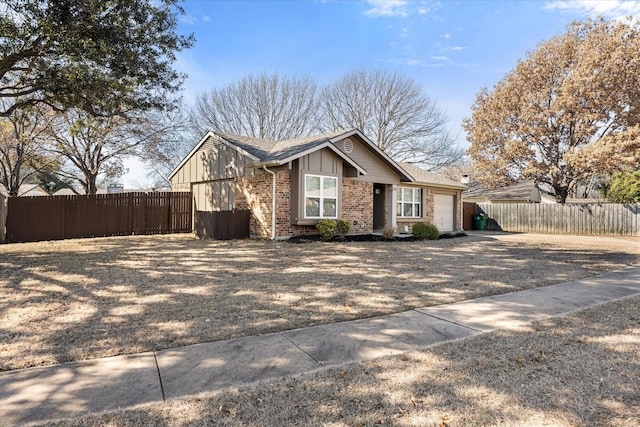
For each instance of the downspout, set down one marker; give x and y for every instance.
(273, 203)
(461, 211)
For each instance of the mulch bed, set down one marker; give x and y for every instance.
(369, 238)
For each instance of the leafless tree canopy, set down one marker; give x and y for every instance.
(175, 137)
(395, 112)
(263, 106)
(95, 146)
(23, 146)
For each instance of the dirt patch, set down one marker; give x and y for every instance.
(578, 370)
(81, 299)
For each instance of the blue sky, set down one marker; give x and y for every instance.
(451, 48)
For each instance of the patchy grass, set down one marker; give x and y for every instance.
(577, 370)
(81, 299)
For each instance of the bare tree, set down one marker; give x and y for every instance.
(23, 146)
(263, 106)
(95, 146)
(175, 140)
(395, 112)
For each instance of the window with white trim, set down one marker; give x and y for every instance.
(320, 196)
(408, 202)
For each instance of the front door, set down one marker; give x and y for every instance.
(379, 195)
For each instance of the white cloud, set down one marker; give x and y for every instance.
(387, 8)
(418, 62)
(457, 48)
(188, 19)
(400, 8)
(446, 36)
(404, 32)
(206, 18)
(606, 8)
(440, 58)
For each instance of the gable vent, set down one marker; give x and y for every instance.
(347, 144)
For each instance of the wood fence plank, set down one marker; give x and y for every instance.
(584, 219)
(63, 217)
(3, 217)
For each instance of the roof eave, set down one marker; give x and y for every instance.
(210, 134)
(328, 144)
(404, 175)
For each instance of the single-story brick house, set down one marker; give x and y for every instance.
(341, 175)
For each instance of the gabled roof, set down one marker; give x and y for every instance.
(275, 153)
(526, 190)
(432, 178)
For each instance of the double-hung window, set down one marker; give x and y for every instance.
(320, 196)
(408, 202)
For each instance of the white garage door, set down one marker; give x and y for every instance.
(443, 212)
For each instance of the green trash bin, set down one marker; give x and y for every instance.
(480, 221)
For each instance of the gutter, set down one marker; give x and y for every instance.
(273, 202)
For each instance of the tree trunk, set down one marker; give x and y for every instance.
(561, 194)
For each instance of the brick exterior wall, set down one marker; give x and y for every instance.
(253, 192)
(357, 205)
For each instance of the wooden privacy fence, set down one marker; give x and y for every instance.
(584, 219)
(468, 211)
(3, 217)
(223, 225)
(32, 219)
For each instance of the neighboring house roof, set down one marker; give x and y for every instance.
(522, 191)
(67, 192)
(26, 190)
(274, 153)
(432, 178)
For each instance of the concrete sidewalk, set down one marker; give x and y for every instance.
(73, 389)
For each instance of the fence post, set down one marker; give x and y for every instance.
(3, 217)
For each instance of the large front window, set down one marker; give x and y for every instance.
(320, 196)
(408, 202)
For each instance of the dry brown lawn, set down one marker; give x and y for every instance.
(80, 299)
(578, 370)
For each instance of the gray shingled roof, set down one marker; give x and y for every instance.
(521, 190)
(426, 177)
(267, 150)
(256, 147)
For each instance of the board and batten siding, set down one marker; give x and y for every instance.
(322, 162)
(213, 161)
(214, 196)
(209, 173)
(377, 170)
